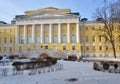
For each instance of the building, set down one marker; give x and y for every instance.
(53, 28)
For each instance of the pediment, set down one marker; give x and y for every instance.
(47, 15)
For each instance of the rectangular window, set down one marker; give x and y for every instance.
(10, 30)
(100, 47)
(94, 47)
(81, 48)
(46, 27)
(55, 27)
(4, 30)
(86, 28)
(100, 38)
(73, 28)
(93, 28)
(64, 47)
(80, 38)
(10, 49)
(87, 47)
(73, 47)
(87, 38)
(106, 47)
(5, 40)
(93, 38)
(64, 27)
(10, 40)
(80, 28)
(4, 48)
(37, 28)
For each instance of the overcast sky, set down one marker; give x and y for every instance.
(10, 8)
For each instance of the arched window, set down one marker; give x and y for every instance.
(73, 38)
(64, 38)
(30, 39)
(21, 39)
(55, 38)
(46, 38)
(38, 39)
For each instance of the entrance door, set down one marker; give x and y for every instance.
(46, 47)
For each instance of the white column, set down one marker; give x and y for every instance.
(42, 34)
(33, 33)
(59, 33)
(68, 32)
(17, 37)
(25, 34)
(77, 32)
(50, 33)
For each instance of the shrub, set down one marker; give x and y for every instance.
(13, 56)
(72, 58)
(96, 66)
(1, 57)
(106, 66)
(115, 66)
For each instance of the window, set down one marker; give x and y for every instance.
(80, 28)
(46, 27)
(55, 27)
(29, 38)
(0, 48)
(38, 39)
(4, 48)
(10, 49)
(64, 38)
(46, 38)
(28, 29)
(73, 28)
(64, 27)
(21, 39)
(106, 47)
(93, 28)
(73, 47)
(73, 38)
(94, 47)
(4, 30)
(0, 40)
(64, 47)
(86, 28)
(100, 47)
(10, 40)
(81, 48)
(80, 38)
(93, 38)
(119, 37)
(10, 30)
(100, 28)
(100, 38)
(55, 38)
(37, 28)
(87, 47)
(5, 39)
(87, 38)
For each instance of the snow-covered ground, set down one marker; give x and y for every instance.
(79, 70)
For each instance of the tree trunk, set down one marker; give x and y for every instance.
(114, 50)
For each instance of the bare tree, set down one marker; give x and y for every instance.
(109, 15)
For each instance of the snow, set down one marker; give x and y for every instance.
(79, 70)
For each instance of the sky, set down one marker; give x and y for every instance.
(10, 8)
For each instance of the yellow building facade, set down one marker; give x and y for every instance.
(53, 28)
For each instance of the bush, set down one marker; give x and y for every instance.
(115, 66)
(13, 56)
(96, 66)
(106, 66)
(72, 58)
(1, 57)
